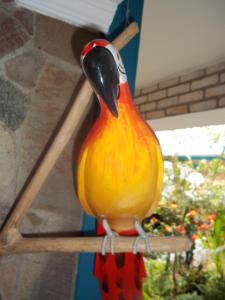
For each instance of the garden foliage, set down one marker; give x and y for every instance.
(193, 204)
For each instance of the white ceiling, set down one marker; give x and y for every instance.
(179, 36)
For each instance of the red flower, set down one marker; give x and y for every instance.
(203, 227)
(211, 217)
(153, 220)
(192, 213)
(194, 237)
(181, 229)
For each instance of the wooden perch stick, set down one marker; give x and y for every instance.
(73, 120)
(93, 244)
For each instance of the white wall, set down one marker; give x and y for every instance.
(204, 118)
(178, 36)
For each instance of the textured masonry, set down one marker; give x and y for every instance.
(203, 89)
(39, 71)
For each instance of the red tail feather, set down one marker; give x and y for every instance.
(120, 275)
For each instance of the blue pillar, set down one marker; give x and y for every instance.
(87, 287)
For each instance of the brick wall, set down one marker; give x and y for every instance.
(38, 75)
(203, 89)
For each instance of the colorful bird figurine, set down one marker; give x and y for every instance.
(120, 172)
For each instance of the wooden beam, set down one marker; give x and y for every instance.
(93, 244)
(122, 39)
(71, 123)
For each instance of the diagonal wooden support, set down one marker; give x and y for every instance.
(12, 242)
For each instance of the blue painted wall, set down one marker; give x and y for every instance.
(87, 287)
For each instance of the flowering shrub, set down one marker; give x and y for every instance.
(193, 204)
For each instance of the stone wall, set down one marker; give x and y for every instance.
(203, 89)
(38, 74)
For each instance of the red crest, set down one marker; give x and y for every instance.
(91, 45)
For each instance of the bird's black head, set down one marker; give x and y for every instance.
(103, 66)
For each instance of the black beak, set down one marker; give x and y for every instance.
(101, 70)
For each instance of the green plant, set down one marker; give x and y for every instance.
(158, 285)
(214, 289)
(192, 204)
(190, 296)
(216, 244)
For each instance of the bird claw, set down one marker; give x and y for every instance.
(142, 236)
(110, 235)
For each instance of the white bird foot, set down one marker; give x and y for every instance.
(142, 236)
(110, 234)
